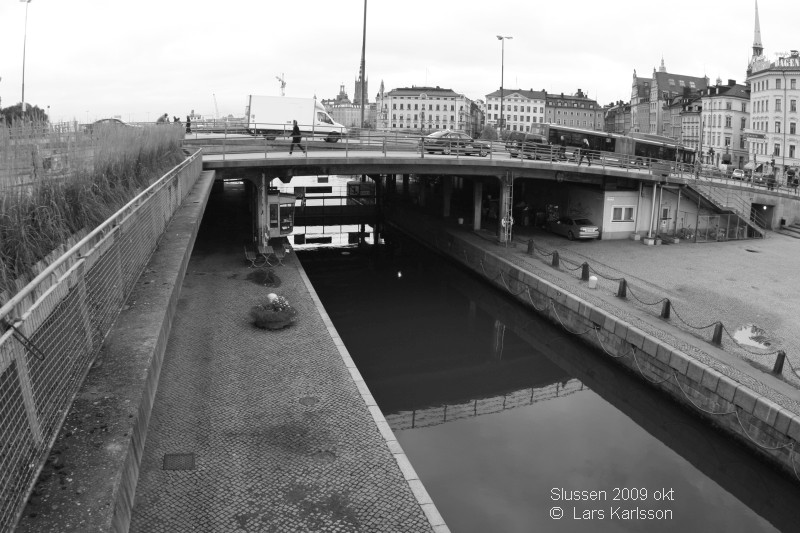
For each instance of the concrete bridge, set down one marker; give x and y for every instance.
(667, 199)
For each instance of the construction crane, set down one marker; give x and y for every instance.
(216, 107)
(283, 83)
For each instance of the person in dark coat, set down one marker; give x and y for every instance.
(296, 136)
(584, 151)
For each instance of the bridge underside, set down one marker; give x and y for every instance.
(622, 202)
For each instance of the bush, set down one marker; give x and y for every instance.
(275, 313)
(106, 170)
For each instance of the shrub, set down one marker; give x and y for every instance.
(275, 313)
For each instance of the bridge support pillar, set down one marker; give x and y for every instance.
(405, 186)
(503, 214)
(447, 193)
(477, 203)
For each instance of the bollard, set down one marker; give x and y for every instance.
(778, 368)
(592, 282)
(665, 308)
(717, 339)
(585, 272)
(623, 289)
(531, 247)
(555, 260)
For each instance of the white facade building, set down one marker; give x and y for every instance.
(726, 117)
(424, 109)
(521, 108)
(775, 93)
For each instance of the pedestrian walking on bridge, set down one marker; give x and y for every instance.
(296, 136)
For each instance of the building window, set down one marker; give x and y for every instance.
(622, 214)
(793, 106)
(744, 123)
(793, 84)
(777, 104)
(776, 151)
(777, 126)
(744, 107)
(728, 122)
(778, 83)
(792, 128)
(791, 150)
(728, 106)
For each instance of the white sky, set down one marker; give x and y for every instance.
(90, 59)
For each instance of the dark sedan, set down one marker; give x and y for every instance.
(574, 228)
(454, 142)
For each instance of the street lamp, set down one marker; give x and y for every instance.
(502, 40)
(24, 44)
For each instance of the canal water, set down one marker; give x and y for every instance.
(513, 425)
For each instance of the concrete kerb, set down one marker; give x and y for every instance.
(409, 474)
(119, 390)
(698, 380)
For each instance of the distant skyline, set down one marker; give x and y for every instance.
(88, 60)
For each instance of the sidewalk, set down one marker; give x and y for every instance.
(280, 436)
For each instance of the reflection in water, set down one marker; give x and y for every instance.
(751, 335)
(448, 357)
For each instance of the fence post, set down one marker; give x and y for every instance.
(778, 368)
(717, 339)
(622, 292)
(585, 272)
(665, 308)
(555, 259)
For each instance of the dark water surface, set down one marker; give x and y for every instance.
(505, 417)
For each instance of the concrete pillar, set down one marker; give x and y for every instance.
(405, 186)
(505, 202)
(477, 204)
(447, 193)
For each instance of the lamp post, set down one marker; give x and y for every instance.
(363, 48)
(502, 40)
(24, 45)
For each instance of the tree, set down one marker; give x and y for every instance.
(14, 113)
(489, 133)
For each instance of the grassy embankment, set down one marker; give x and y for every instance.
(50, 198)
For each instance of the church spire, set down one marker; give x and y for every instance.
(758, 49)
(662, 68)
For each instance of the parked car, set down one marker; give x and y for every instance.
(454, 142)
(737, 174)
(574, 228)
(529, 146)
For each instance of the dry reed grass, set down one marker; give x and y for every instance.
(41, 209)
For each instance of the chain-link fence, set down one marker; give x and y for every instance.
(54, 328)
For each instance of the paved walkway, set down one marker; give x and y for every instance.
(281, 437)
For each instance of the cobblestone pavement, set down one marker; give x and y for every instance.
(738, 282)
(281, 437)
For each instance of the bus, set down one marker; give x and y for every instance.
(639, 147)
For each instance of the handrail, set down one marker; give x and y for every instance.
(51, 268)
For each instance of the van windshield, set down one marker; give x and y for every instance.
(322, 117)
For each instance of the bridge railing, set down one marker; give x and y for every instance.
(53, 328)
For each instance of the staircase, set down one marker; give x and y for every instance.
(733, 201)
(792, 230)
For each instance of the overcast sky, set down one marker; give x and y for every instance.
(90, 59)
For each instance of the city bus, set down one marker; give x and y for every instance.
(639, 148)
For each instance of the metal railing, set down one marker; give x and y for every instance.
(53, 328)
